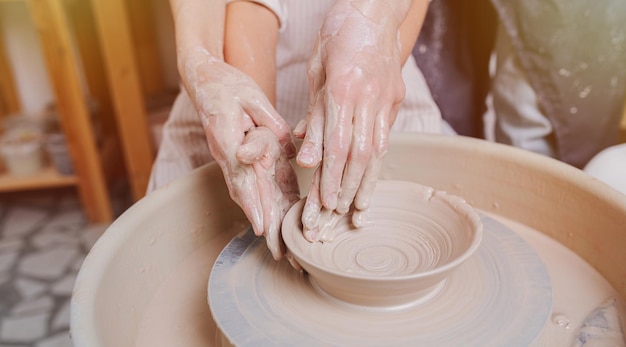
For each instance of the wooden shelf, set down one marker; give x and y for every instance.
(47, 178)
(107, 48)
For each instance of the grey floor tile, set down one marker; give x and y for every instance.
(61, 319)
(30, 307)
(44, 237)
(21, 221)
(29, 288)
(27, 329)
(5, 277)
(47, 238)
(48, 264)
(68, 218)
(11, 244)
(7, 260)
(58, 340)
(64, 286)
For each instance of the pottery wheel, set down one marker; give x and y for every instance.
(500, 297)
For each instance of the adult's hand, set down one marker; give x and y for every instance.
(356, 89)
(247, 138)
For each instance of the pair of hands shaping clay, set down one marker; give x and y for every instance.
(356, 88)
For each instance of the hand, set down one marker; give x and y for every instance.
(248, 139)
(356, 88)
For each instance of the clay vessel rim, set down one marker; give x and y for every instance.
(464, 210)
(435, 271)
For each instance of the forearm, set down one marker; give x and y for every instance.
(411, 26)
(251, 48)
(382, 26)
(199, 26)
(399, 16)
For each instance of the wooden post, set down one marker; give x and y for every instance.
(50, 20)
(9, 99)
(145, 43)
(132, 119)
(82, 21)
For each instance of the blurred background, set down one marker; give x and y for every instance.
(84, 89)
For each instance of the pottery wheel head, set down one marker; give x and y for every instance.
(415, 237)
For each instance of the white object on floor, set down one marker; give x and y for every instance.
(609, 166)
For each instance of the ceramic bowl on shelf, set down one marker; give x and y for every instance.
(414, 238)
(21, 150)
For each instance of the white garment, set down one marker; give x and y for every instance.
(519, 119)
(184, 146)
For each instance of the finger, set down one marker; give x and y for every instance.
(264, 114)
(269, 194)
(292, 260)
(245, 193)
(359, 218)
(315, 71)
(360, 153)
(337, 139)
(312, 131)
(374, 167)
(262, 146)
(273, 216)
(225, 133)
(327, 225)
(259, 145)
(273, 239)
(287, 182)
(312, 209)
(310, 153)
(272, 212)
(252, 151)
(300, 130)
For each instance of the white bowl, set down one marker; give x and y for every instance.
(414, 238)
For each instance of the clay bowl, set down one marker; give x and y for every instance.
(414, 238)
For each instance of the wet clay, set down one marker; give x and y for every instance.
(414, 238)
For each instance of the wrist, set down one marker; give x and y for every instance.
(188, 60)
(388, 13)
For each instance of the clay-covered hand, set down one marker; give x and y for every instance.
(248, 139)
(356, 88)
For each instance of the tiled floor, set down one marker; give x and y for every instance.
(44, 237)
